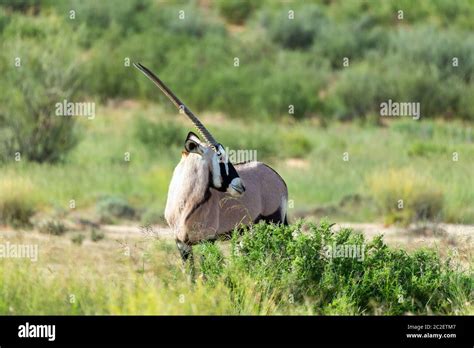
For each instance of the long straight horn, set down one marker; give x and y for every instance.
(179, 104)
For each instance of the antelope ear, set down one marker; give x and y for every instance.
(193, 136)
(193, 144)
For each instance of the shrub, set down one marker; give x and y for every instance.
(99, 17)
(162, 40)
(360, 89)
(236, 11)
(115, 207)
(425, 85)
(352, 40)
(466, 103)
(297, 33)
(16, 203)
(97, 235)
(78, 239)
(32, 6)
(4, 19)
(421, 199)
(28, 123)
(312, 264)
(54, 227)
(428, 45)
(211, 262)
(195, 23)
(287, 85)
(358, 92)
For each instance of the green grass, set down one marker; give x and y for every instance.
(17, 201)
(97, 167)
(269, 270)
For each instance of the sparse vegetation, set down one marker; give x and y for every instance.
(17, 204)
(97, 235)
(78, 239)
(54, 227)
(405, 196)
(114, 207)
(288, 96)
(269, 270)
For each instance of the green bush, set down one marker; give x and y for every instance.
(170, 46)
(97, 235)
(31, 6)
(310, 267)
(437, 96)
(430, 46)
(290, 62)
(297, 33)
(361, 88)
(78, 239)
(466, 103)
(287, 84)
(100, 16)
(115, 207)
(28, 123)
(54, 227)
(195, 23)
(4, 19)
(236, 11)
(352, 40)
(212, 261)
(358, 92)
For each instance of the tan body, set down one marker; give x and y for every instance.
(195, 212)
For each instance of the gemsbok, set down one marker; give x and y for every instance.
(209, 196)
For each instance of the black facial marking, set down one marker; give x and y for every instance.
(226, 178)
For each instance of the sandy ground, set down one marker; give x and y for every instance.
(448, 239)
(445, 237)
(418, 235)
(413, 234)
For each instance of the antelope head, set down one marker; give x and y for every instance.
(224, 176)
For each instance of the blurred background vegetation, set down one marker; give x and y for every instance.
(282, 62)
